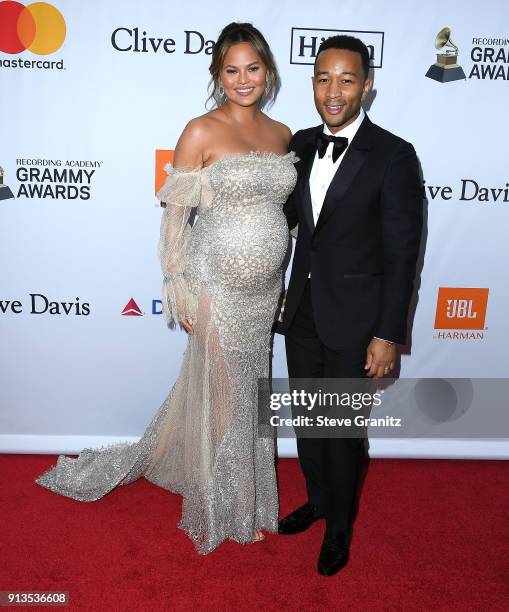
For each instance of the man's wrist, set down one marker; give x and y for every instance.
(389, 342)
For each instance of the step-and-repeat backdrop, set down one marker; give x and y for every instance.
(93, 98)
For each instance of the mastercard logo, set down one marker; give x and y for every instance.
(38, 27)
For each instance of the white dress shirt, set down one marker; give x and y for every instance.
(324, 169)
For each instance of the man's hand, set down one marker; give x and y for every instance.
(187, 324)
(380, 358)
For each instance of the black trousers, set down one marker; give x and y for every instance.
(332, 467)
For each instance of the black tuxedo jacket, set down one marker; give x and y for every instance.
(362, 253)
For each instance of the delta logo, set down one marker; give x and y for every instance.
(163, 157)
(131, 309)
(461, 309)
(38, 27)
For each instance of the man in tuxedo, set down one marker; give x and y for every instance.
(358, 205)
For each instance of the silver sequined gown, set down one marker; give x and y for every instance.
(224, 272)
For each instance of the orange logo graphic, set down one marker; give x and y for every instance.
(38, 27)
(162, 158)
(461, 308)
(131, 309)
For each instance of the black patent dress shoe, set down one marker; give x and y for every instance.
(299, 520)
(334, 553)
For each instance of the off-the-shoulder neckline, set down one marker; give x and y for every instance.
(230, 156)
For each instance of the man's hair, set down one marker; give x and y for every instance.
(350, 43)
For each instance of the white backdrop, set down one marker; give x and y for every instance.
(78, 379)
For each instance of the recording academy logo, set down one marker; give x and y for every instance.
(305, 42)
(56, 179)
(446, 68)
(461, 309)
(38, 27)
(5, 191)
(131, 309)
(489, 56)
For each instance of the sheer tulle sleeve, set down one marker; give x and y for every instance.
(181, 193)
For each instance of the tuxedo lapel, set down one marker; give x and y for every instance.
(347, 171)
(308, 156)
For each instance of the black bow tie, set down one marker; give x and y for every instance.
(323, 140)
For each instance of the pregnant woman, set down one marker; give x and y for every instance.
(222, 282)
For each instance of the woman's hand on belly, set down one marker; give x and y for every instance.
(187, 324)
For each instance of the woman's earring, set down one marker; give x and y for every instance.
(267, 87)
(221, 90)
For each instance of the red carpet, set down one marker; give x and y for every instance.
(430, 535)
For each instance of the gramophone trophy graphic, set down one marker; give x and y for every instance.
(446, 68)
(5, 192)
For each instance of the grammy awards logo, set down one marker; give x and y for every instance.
(5, 191)
(446, 68)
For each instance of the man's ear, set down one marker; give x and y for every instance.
(368, 84)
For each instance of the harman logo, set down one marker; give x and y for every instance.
(131, 309)
(40, 304)
(38, 27)
(305, 43)
(461, 308)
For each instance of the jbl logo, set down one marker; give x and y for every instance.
(461, 308)
(163, 156)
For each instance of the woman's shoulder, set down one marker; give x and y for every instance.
(198, 126)
(195, 129)
(281, 128)
(195, 140)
